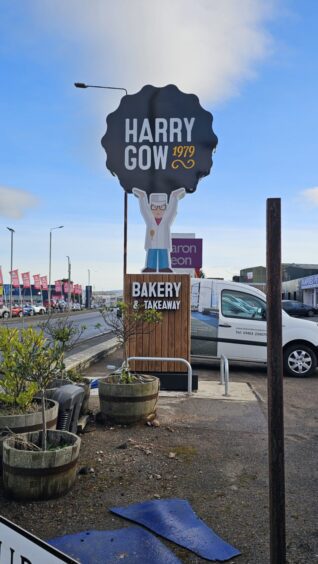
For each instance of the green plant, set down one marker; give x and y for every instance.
(29, 362)
(76, 376)
(128, 321)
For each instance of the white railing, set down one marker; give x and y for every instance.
(165, 359)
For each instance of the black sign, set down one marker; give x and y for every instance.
(158, 140)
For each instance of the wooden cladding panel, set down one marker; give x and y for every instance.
(171, 337)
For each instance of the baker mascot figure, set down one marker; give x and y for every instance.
(159, 214)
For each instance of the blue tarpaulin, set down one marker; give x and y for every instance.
(175, 520)
(131, 545)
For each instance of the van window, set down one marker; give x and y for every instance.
(242, 305)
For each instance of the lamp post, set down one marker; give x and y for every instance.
(83, 85)
(11, 267)
(69, 283)
(50, 265)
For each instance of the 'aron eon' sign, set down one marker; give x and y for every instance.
(186, 253)
(157, 295)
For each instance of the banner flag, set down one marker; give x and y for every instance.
(37, 281)
(15, 278)
(1, 277)
(26, 279)
(44, 282)
(58, 286)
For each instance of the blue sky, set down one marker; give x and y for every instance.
(253, 64)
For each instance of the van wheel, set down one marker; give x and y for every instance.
(299, 360)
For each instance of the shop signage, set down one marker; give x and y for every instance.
(18, 545)
(158, 140)
(159, 143)
(186, 253)
(156, 295)
(309, 281)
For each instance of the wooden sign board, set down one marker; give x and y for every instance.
(170, 294)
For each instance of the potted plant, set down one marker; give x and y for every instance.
(126, 397)
(41, 463)
(19, 409)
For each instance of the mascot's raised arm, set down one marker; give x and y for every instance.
(159, 213)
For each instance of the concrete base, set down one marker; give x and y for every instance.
(214, 390)
(176, 381)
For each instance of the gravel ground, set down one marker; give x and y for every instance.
(212, 454)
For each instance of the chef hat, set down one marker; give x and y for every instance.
(158, 199)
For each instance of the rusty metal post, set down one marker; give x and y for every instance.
(275, 385)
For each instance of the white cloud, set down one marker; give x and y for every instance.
(15, 202)
(311, 195)
(208, 47)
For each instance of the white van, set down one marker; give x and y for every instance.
(229, 318)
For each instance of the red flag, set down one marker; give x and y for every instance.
(44, 282)
(77, 289)
(58, 286)
(1, 277)
(37, 281)
(15, 278)
(66, 287)
(26, 279)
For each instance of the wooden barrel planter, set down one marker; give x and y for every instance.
(28, 422)
(128, 403)
(39, 475)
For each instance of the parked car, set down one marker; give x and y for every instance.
(39, 309)
(229, 319)
(4, 312)
(17, 311)
(76, 306)
(62, 305)
(28, 310)
(293, 307)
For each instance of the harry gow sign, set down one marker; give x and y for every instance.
(158, 140)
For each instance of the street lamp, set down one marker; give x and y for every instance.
(11, 267)
(69, 283)
(83, 85)
(50, 264)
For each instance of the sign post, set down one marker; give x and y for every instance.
(159, 144)
(275, 385)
